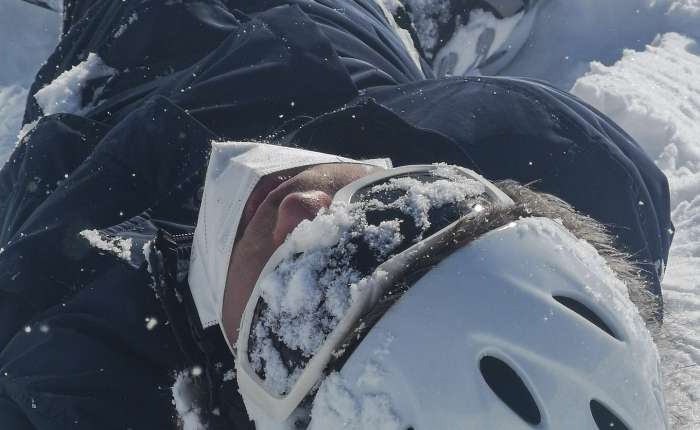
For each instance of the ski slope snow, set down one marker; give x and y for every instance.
(28, 35)
(655, 95)
(638, 61)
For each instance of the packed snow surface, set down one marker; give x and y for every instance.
(569, 34)
(28, 35)
(654, 94)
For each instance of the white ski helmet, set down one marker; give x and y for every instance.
(525, 327)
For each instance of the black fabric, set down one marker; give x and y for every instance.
(12, 417)
(506, 128)
(329, 75)
(93, 363)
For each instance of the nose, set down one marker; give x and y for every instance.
(295, 208)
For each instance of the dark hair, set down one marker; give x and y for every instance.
(530, 203)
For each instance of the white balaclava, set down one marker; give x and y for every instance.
(234, 170)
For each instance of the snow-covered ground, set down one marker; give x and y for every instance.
(28, 34)
(636, 60)
(655, 95)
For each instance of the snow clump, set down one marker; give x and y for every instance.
(186, 402)
(65, 93)
(117, 246)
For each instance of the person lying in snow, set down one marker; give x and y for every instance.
(117, 292)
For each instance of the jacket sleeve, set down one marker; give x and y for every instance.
(142, 163)
(93, 363)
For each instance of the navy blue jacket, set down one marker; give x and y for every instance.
(75, 349)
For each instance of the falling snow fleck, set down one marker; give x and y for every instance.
(151, 323)
(229, 375)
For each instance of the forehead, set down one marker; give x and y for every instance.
(323, 177)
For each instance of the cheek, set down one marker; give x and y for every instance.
(295, 208)
(263, 235)
(248, 258)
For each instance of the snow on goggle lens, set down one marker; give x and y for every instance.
(330, 271)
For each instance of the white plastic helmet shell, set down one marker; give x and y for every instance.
(420, 366)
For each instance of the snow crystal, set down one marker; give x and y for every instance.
(65, 93)
(316, 282)
(117, 246)
(185, 401)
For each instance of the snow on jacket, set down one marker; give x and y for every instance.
(85, 341)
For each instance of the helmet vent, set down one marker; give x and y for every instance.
(510, 388)
(586, 313)
(604, 418)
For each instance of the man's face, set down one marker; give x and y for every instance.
(276, 206)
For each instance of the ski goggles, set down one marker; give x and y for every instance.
(317, 288)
